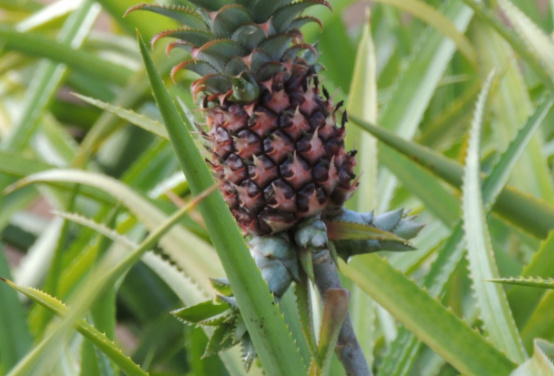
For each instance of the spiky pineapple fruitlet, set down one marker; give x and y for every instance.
(277, 149)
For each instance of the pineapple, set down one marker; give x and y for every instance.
(278, 154)
(271, 128)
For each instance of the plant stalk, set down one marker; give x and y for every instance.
(348, 348)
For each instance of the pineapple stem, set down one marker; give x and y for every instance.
(348, 349)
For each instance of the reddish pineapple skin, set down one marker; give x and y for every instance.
(280, 158)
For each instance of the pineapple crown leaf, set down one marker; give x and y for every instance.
(257, 59)
(276, 45)
(298, 22)
(209, 5)
(201, 67)
(236, 66)
(284, 16)
(237, 36)
(215, 83)
(229, 18)
(180, 13)
(294, 50)
(246, 3)
(218, 52)
(194, 37)
(268, 70)
(249, 34)
(263, 9)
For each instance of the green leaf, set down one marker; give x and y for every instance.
(304, 308)
(415, 86)
(334, 313)
(275, 45)
(15, 338)
(196, 38)
(523, 300)
(184, 287)
(210, 5)
(510, 108)
(136, 21)
(541, 363)
(444, 129)
(509, 158)
(492, 301)
(179, 13)
(283, 16)
(108, 271)
(89, 332)
(221, 340)
(47, 80)
(532, 215)
(48, 15)
(424, 316)
(526, 282)
(356, 231)
(539, 324)
(90, 364)
(202, 68)
(222, 286)
(218, 52)
(442, 203)
(200, 312)
(363, 103)
(152, 126)
(194, 261)
(265, 326)
(401, 354)
(289, 309)
(536, 40)
(514, 40)
(250, 35)
(27, 6)
(405, 347)
(229, 18)
(432, 17)
(40, 46)
(130, 96)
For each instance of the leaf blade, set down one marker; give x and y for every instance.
(526, 282)
(491, 299)
(432, 17)
(87, 330)
(273, 342)
(465, 349)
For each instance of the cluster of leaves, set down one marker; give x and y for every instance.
(469, 151)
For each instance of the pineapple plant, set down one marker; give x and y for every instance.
(488, 219)
(277, 149)
(276, 140)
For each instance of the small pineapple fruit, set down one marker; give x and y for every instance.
(272, 129)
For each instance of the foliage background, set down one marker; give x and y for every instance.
(426, 92)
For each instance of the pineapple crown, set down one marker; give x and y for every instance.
(238, 44)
